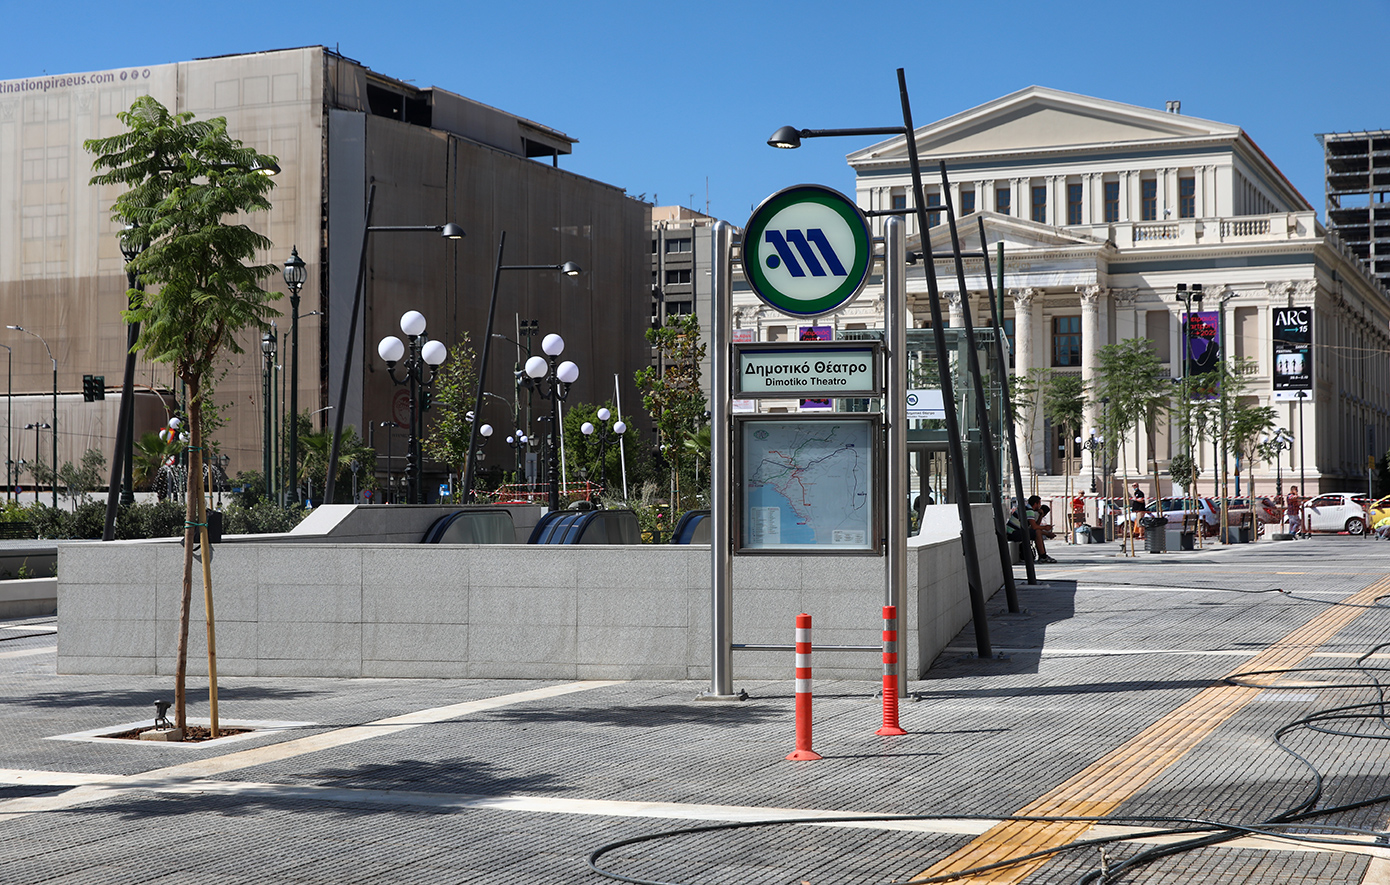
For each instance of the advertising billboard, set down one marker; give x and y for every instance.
(1293, 353)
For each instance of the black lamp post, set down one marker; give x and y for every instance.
(390, 438)
(1276, 444)
(9, 419)
(519, 442)
(268, 392)
(551, 380)
(423, 352)
(123, 461)
(1091, 445)
(605, 438)
(295, 276)
(1302, 444)
(54, 425)
(570, 269)
(36, 427)
(448, 231)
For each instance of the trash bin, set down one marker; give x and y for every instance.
(1155, 533)
(1082, 535)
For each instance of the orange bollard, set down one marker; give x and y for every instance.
(803, 751)
(890, 678)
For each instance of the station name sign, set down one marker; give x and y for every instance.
(808, 370)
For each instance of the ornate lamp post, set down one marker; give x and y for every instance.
(605, 437)
(390, 437)
(123, 460)
(295, 276)
(1275, 444)
(519, 442)
(54, 425)
(1302, 445)
(552, 380)
(36, 427)
(423, 353)
(268, 340)
(1091, 445)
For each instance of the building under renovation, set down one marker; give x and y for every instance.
(1358, 195)
(337, 128)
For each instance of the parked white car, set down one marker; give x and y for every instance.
(1336, 512)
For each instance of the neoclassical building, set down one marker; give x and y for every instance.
(1106, 210)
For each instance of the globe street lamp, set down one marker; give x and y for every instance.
(55, 408)
(519, 442)
(418, 379)
(268, 341)
(38, 462)
(1091, 445)
(604, 439)
(552, 381)
(295, 276)
(1275, 444)
(123, 459)
(570, 269)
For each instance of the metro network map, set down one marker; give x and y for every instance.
(808, 484)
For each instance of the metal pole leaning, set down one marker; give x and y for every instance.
(803, 751)
(890, 675)
(895, 411)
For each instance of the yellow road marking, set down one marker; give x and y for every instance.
(1115, 777)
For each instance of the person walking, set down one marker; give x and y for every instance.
(1293, 512)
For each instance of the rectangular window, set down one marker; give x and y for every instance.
(1009, 334)
(933, 218)
(776, 333)
(680, 308)
(1112, 201)
(899, 201)
(681, 245)
(1187, 198)
(677, 277)
(1001, 200)
(1148, 199)
(1040, 203)
(653, 247)
(1073, 204)
(1066, 341)
(967, 202)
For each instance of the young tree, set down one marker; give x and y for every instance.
(1064, 403)
(1026, 391)
(1131, 377)
(315, 448)
(450, 404)
(672, 392)
(183, 179)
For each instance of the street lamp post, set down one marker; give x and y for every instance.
(423, 352)
(55, 408)
(519, 442)
(268, 391)
(390, 438)
(295, 276)
(552, 381)
(605, 437)
(1091, 445)
(1302, 444)
(9, 420)
(1277, 443)
(569, 268)
(36, 427)
(449, 231)
(123, 460)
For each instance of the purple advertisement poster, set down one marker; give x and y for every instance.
(1203, 351)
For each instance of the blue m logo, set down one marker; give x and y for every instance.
(803, 241)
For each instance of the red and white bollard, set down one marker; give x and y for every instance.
(803, 749)
(890, 676)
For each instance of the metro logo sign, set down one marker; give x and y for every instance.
(807, 251)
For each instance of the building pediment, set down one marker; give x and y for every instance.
(1042, 119)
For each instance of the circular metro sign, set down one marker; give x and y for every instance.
(807, 250)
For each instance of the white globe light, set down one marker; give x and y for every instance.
(604, 414)
(413, 323)
(586, 428)
(536, 367)
(175, 423)
(511, 440)
(567, 372)
(553, 344)
(485, 430)
(390, 348)
(434, 352)
(620, 428)
(524, 439)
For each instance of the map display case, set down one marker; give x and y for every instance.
(808, 483)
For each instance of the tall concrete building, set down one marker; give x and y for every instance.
(336, 127)
(1357, 178)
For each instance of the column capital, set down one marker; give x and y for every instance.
(1023, 297)
(1304, 290)
(1090, 295)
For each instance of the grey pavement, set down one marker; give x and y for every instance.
(516, 781)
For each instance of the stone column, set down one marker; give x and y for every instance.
(1025, 304)
(1092, 338)
(956, 313)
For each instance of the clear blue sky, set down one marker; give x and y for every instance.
(663, 96)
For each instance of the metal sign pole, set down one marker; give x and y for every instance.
(721, 464)
(895, 412)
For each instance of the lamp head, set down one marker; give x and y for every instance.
(570, 269)
(553, 344)
(536, 367)
(485, 431)
(390, 349)
(586, 428)
(604, 414)
(434, 352)
(567, 372)
(267, 342)
(620, 428)
(413, 323)
(452, 231)
(130, 245)
(295, 272)
(787, 137)
(267, 168)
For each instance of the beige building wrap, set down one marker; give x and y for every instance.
(334, 126)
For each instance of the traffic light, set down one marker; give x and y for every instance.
(93, 387)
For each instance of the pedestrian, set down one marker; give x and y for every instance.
(1036, 512)
(1078, 511)
(1293, 512)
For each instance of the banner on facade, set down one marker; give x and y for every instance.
(1293, 353)
(1203, 353)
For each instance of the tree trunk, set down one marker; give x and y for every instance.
(185, 602)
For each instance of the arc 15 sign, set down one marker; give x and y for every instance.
(1293, 353)
(807, 251)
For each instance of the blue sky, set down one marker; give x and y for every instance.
(664, 97)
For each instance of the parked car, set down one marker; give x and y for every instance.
(1266, 511)
(1380, 510)
(1336, 512)
(1175, 508)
